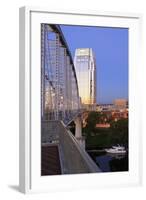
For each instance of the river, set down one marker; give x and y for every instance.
(110, 162)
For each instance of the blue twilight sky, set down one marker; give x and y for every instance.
(110, 46)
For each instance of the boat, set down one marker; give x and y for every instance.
(116, 150)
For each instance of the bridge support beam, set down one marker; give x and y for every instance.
(78, 127)
(78, 131)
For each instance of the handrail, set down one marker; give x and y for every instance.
(91, 164)
(86, 160)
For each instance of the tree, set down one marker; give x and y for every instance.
(120, 129)
(92, 120)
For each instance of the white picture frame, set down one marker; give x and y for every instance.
(30, 179)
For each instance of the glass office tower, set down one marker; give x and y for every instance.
(85, 66)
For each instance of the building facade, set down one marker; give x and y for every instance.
(85, 67)
(120, 103)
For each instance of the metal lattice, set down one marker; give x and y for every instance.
(59, 89)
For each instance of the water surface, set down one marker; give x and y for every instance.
(110, 162)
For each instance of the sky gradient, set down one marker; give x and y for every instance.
(110, 46)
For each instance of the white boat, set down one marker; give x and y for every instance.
(116, 149)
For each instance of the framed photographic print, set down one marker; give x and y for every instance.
(79, 100)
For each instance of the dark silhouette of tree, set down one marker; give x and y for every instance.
(120, 128)
(92, 120)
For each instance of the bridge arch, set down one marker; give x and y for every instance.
(59, 89)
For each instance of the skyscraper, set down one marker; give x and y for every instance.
(85, 66)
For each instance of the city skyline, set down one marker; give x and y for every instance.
(110, 46)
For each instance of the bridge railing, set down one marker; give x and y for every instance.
(74, 159)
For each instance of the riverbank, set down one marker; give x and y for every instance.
(96, 151)
(105, 139)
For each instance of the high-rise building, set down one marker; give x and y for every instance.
(85, 66)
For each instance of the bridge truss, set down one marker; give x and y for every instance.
(59, 89)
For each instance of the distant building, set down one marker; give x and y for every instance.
(85, 66)
(120, 103)
(117, 115)
(98, 108)
(104, 107)
(106, 125)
